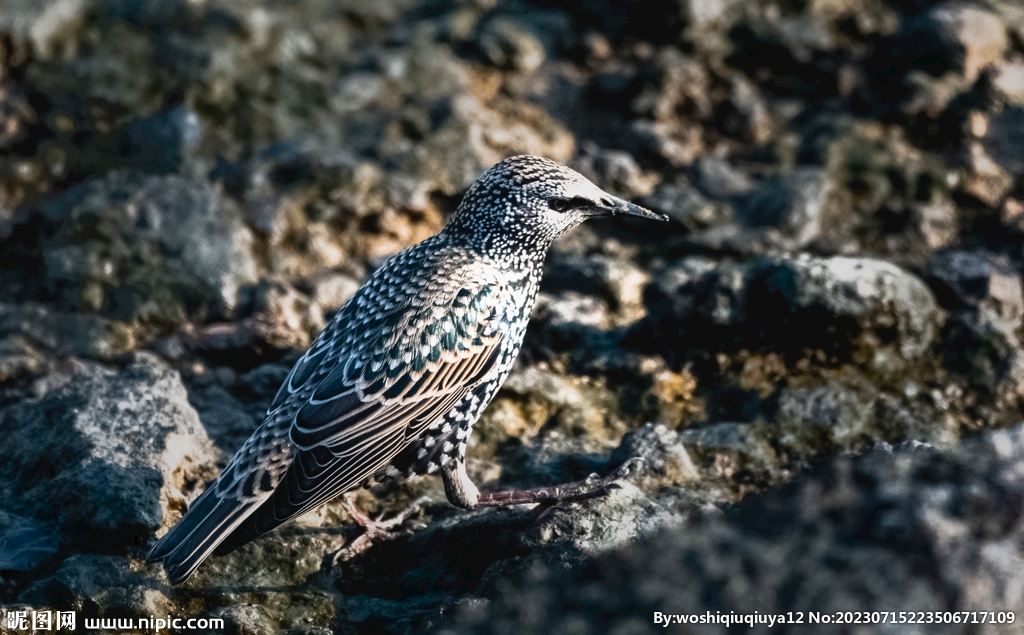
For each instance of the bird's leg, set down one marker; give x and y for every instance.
(457, 482)
(375, 528)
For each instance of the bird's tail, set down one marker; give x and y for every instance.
(208, 521)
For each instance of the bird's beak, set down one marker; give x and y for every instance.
(621, 207)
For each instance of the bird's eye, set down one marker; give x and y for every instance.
(565, 204)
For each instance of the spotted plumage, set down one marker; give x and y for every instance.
(395, 383)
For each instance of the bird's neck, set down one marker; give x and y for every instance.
(520, 251)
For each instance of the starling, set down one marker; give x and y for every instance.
(395, 383)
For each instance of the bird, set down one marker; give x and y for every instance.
(393, 385)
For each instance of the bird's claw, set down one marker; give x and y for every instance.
(375, 528)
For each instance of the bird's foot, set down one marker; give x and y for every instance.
(375, 528)
(589, 487)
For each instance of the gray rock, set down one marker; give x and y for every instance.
(615, 170)
(63, 334)
(718, 179)
(975, 38)
(830, 417)
(686, 206)
(876, 293)
(665, 458)
(915, 526)
(147, 247)
(107, 454)
(796, 204)
(986, 301)
(25, 543)
(796, 300)
(727, 449)
(244, 619)
(617, 280)
(101, 586)
(506, 43)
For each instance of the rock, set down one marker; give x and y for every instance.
(875, 293)
(826, 418)
(147, 247)
(685, 206)
(912, 526)
(63, 334)
(244, 619)
(507, 44)
(331, 292)
(163, 143)
(666, 461)
(615, 171)
(975, 37)
(985, 180)
(1005, 134)
(937, 222)
(1008, 80)
(728, 450)
(979, 282)
(572, 405)
(797, 204)
(718, 179)
(101, 586)
(986, 302)
(25, 543)
(617, 280)
(803, 299)
(107, 454)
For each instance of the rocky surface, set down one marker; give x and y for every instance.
(819, 357)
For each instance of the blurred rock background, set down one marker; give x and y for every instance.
(190, 188)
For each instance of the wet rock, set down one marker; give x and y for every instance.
(147, 247)
(854, 534)
(107, 454)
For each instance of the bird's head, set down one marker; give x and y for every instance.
(525, 202)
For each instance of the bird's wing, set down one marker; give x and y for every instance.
(369, 397)
(391, 363)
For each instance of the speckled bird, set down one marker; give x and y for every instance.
(395, 383)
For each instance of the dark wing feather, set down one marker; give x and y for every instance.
(397, 357)
(360, 415)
